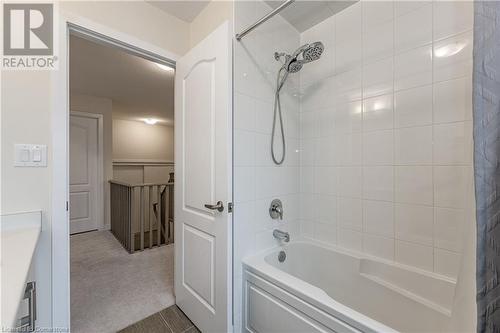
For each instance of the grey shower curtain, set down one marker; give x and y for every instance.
(487, 161)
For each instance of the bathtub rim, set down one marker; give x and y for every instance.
(311, 294)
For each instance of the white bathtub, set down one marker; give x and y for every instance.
(321, 289)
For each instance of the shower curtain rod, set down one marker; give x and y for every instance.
(264, 19)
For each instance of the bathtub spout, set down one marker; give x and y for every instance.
(281, 235)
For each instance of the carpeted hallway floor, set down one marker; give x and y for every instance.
(112, 289)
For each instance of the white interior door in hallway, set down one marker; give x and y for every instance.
(203, 153)
(84, 173)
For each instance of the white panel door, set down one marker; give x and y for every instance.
(83, 171)
(203, 172)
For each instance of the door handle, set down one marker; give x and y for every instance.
(219, 206)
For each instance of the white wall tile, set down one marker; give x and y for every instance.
(414, 255)
(325, 233)
(306, 180)
(413, 68)
(453, 143)
(378, 77)
(453, 100)
(413, 107)
(450, 186)
(414, 223)
(348, 23)
(376, 13)
(452, 17)
(446, 263)
(348, 117)
(350, 239)
(308, 125)
(307, 228)
(413, 146)
(348, 55)
(448, 228)
(325, 179)
(262, 149)
(378, 148)
(347, 86)
(378, 41)
(307, 207)
(264, 240)
(378, 218)
(244, 157)
(325, 209)
(292, 157)
(387, 115)
(325, 153)
(378, 246)
(348, 36)
(244, 184)
(414, 185)
(263, 116)
(349, 212)
(378, 183)
(349, 151)
(413, 29)
(349, 182)
(244, 112)
(453, 57)
(244, 231)
(325, 119)
(318, 94)
(307, 149)
(378, 113)
(404, 7)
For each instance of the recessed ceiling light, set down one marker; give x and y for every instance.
(150, 121)
(449, 50)
(165, 67)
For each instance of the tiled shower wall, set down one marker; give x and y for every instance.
(385, 131)
(257, 181)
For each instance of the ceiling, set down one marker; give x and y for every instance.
(184, 10)
(304, 14)
(138, 87)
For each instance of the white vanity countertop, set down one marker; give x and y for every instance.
(19, 235)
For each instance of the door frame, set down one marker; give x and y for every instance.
(100, 214)
(70, 24)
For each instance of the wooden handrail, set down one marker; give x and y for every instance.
(140, 184)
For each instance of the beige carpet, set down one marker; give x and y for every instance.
(112, 289)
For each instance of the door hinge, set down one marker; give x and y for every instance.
(230, 207)
(67, 206)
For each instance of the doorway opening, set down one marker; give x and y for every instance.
(121, 184)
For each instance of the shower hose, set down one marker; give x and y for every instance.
(277, 113)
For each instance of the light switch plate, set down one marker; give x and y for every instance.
(30, 155)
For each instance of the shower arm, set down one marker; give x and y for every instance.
(264, 19)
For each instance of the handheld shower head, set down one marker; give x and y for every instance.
(304, 54)
(313, 52)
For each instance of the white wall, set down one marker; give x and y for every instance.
(135, 140)
(142, 153)
(386, 134)
(209, 19)
(257, 181)
(27, 104)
